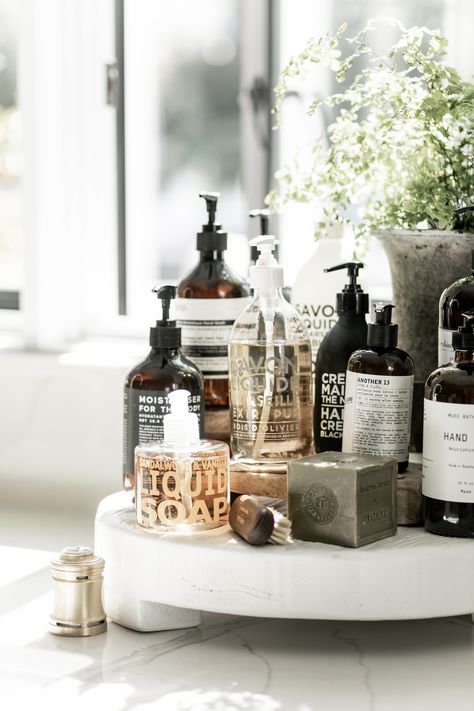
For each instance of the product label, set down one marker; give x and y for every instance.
(377, 414)
(330, 410)
(270, 398)
(143, 412)
(445, 347)
(187, 491)
(206, 325)
(448, 451)
(318, 319)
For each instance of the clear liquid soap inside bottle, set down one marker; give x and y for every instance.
(182, 483)
(270, 388)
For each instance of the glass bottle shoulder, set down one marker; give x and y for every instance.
(287, 327)
(202, 449)
(160, 369)
(453, 382)
(212, 279)
(378, 361)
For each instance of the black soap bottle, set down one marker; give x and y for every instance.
(379, 394)
(348, 335)
(208, 301)
(148, 384)
(448, 440)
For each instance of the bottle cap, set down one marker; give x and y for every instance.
(166, 335)
(266, 274)
(382, 333)
(77, 579)
(211, 239)
(181, 427)
(463, 338)
(352, 298)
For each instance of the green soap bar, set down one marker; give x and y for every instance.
(347, 499)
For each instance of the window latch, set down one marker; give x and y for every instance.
(112, 83)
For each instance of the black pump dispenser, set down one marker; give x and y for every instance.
(352, 298)
(165, 335)
(463, 338)
(382, 333)
(211, 239)
(264, 215)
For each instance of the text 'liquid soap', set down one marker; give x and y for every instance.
(182, 482)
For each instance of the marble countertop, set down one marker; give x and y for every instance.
(228, 663)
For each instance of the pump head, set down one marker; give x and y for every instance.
(211, 239)
(165, 334)
(351, 299)
(459, 222)
(382, 333)
(463, 338)
(181, 427)
(264, 215)
(266, 274)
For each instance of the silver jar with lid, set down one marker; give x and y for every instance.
(77, 583)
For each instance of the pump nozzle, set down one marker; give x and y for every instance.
(211, 207)
(463, 338)
(165, 334)
(181, 427)
(165, 294)
(352, 298)
(352, 271)
(382, 333)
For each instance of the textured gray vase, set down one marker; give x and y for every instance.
(423, 263)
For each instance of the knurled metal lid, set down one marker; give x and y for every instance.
(77, 561)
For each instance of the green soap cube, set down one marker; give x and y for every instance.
(341, 498)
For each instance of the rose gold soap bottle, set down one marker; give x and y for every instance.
(182, 483)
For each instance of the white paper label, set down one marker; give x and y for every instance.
(445, 347)
(448, 451)
(206, 325)
(377, 414)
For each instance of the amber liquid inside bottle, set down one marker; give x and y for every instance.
(271, 401)
(453, 384)
(212, 279)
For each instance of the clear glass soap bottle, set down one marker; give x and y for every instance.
(270, 379)
(182, 482)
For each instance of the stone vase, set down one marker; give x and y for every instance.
(422, 264)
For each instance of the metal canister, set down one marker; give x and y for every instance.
(77, 582)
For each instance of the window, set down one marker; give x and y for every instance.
(187, 110)
(11, 227)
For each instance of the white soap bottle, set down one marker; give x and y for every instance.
(314, 292)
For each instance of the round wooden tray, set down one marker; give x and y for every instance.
(409, 576)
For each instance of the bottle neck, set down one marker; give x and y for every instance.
(167, 352)
(351, 316)
(211, 256)
(464, 356)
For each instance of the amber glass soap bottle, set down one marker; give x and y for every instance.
(448, 440)
(208, 301)
(379, 394)
(145, 396)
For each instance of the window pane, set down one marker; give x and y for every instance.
(11, 233)
(182, 118)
